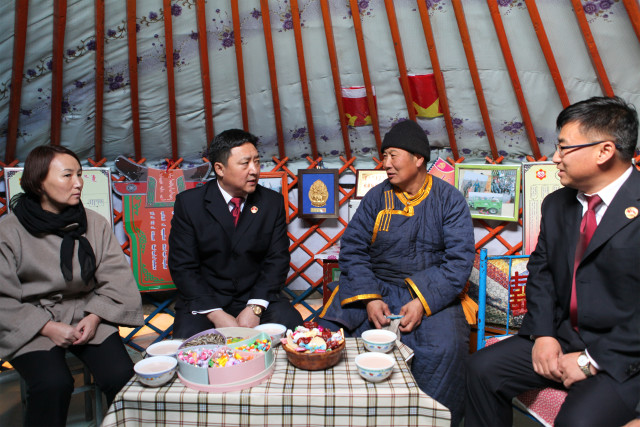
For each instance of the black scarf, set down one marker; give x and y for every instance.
(38, 221)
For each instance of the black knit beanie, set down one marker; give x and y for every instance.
(409, 136)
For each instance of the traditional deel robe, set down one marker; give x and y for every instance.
(399, 248)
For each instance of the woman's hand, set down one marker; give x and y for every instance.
(61, 334)
(86, 329)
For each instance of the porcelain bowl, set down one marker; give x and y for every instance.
(275, 330)
(164, 348)
(379, 340)
(374, 366)
(156, 370)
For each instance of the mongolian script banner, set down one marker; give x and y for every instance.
(148, 230)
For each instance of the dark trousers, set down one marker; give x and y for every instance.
(503, 370)
(50, 383)
(186, 324)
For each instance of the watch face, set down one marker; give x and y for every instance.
(583, 360)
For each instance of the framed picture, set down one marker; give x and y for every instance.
(318, 193)
(538, 180)
(366, 179)
(277, 181)
(96, 192)
(491, 191)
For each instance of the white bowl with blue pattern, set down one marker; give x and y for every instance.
(375, 367)
(379, 340)
(156, 370)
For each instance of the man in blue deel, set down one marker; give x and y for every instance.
(408, 251)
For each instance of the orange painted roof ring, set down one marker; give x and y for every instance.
(99, 107)
(592, 48)
(335, 72)
(237, 42)
(297, 31)
(513, 74)
(59, 28)
(475, 77)
(171, 87)
(402, 66)
(437, 72)
(357, 26)
(133, 77)
(538, 26)
(266, 26)
(15, 96)
(633, 10)
(204, 69)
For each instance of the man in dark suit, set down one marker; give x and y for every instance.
(228, 247)
(582, 329)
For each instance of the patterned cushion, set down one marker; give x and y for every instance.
(498, 297)
(543, 403)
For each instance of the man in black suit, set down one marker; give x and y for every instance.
(228, 247)
(582, 335)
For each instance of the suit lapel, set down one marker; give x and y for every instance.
(247, 217)
(574, 217)
(216, 206)
(615, 218)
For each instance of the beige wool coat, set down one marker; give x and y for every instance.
(33, 290)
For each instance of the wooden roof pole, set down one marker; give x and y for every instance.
(297, 31)
(335, 72)
(266, 26)
(133, 77)
(538, 26)
(475, 76)
(592, 48)
(402, 66)
(513, 74)
(237, 42)
(15, 95)
(171, 87)
(357, 26)
(437, 73)
(59, 27)
(201, 17)
(99, 103)
(633, 10)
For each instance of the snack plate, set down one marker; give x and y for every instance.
(229, 378)
(235, 386)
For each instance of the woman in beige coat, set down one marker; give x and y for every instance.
(64, 285)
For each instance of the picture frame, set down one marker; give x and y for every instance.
(491, 191)
(96, 192)
(366, 179)
(318, 193)
(538, 180)
(277, 181)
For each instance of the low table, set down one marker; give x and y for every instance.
(334, 397)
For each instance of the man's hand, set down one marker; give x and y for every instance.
(86, 328)
(61, 334)
(633, 423)
(221, 319)
(376, 312)
(571, 372)
(545, 355)
(247, 318)
(412, 312)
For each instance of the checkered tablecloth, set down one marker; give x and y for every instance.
(291, 397)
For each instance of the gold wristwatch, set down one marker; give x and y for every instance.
(585, 364)
(257, 309)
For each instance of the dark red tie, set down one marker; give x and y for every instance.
(587, 228)
(235, 212)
